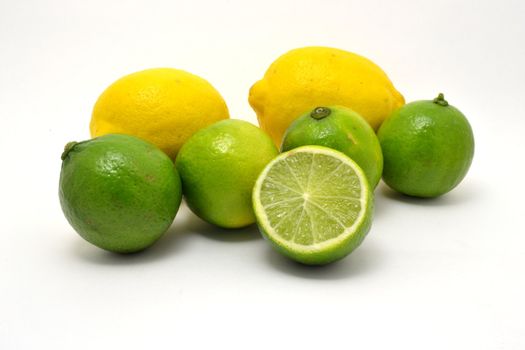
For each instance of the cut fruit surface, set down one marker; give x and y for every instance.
(313, 204)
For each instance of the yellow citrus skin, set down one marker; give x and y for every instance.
(164, 106)
(305, 78)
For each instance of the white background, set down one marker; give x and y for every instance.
(433, 274)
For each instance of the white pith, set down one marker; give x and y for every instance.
(263, 219)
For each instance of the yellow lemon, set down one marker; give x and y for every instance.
(305, 78)
(164, 106)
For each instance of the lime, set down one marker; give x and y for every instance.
(218, 167)
(118, 192)
(342, 129)
(427, 148)
(313, 204)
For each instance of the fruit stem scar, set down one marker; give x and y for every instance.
(320, 112)
(440, 100)
(67, 148)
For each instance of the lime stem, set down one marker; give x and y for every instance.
(440, 100)
(320, 112)
(67, 148)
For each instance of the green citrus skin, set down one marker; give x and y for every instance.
(342, 129)
(218, 166)
(118, 192)
(428, 147)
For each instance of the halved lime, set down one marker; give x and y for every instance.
(313, 204)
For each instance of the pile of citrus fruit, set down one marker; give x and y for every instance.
(331, 126)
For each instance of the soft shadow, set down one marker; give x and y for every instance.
(363, 260)
(173, 241)
(196, 225)
(462, 194)
(169, 244)
(380, 205)
(186, 226)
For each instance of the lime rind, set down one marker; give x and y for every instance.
(326, 243)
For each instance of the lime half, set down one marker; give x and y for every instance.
(313, 204)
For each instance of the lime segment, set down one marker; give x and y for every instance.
(314, 204)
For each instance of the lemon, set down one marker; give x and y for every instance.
(164, 106)
(313, 204)
(218, 168)
(305, 78)
(118, 192)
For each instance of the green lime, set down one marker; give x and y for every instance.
(313, 204)
(118, 192)
(427, 147)
(218, 166)
(342, 129)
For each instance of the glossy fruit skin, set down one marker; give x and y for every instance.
(427, 148)
(307, 77)
(343, 130)
(164, 106)
(218, 168)
(118, 192)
